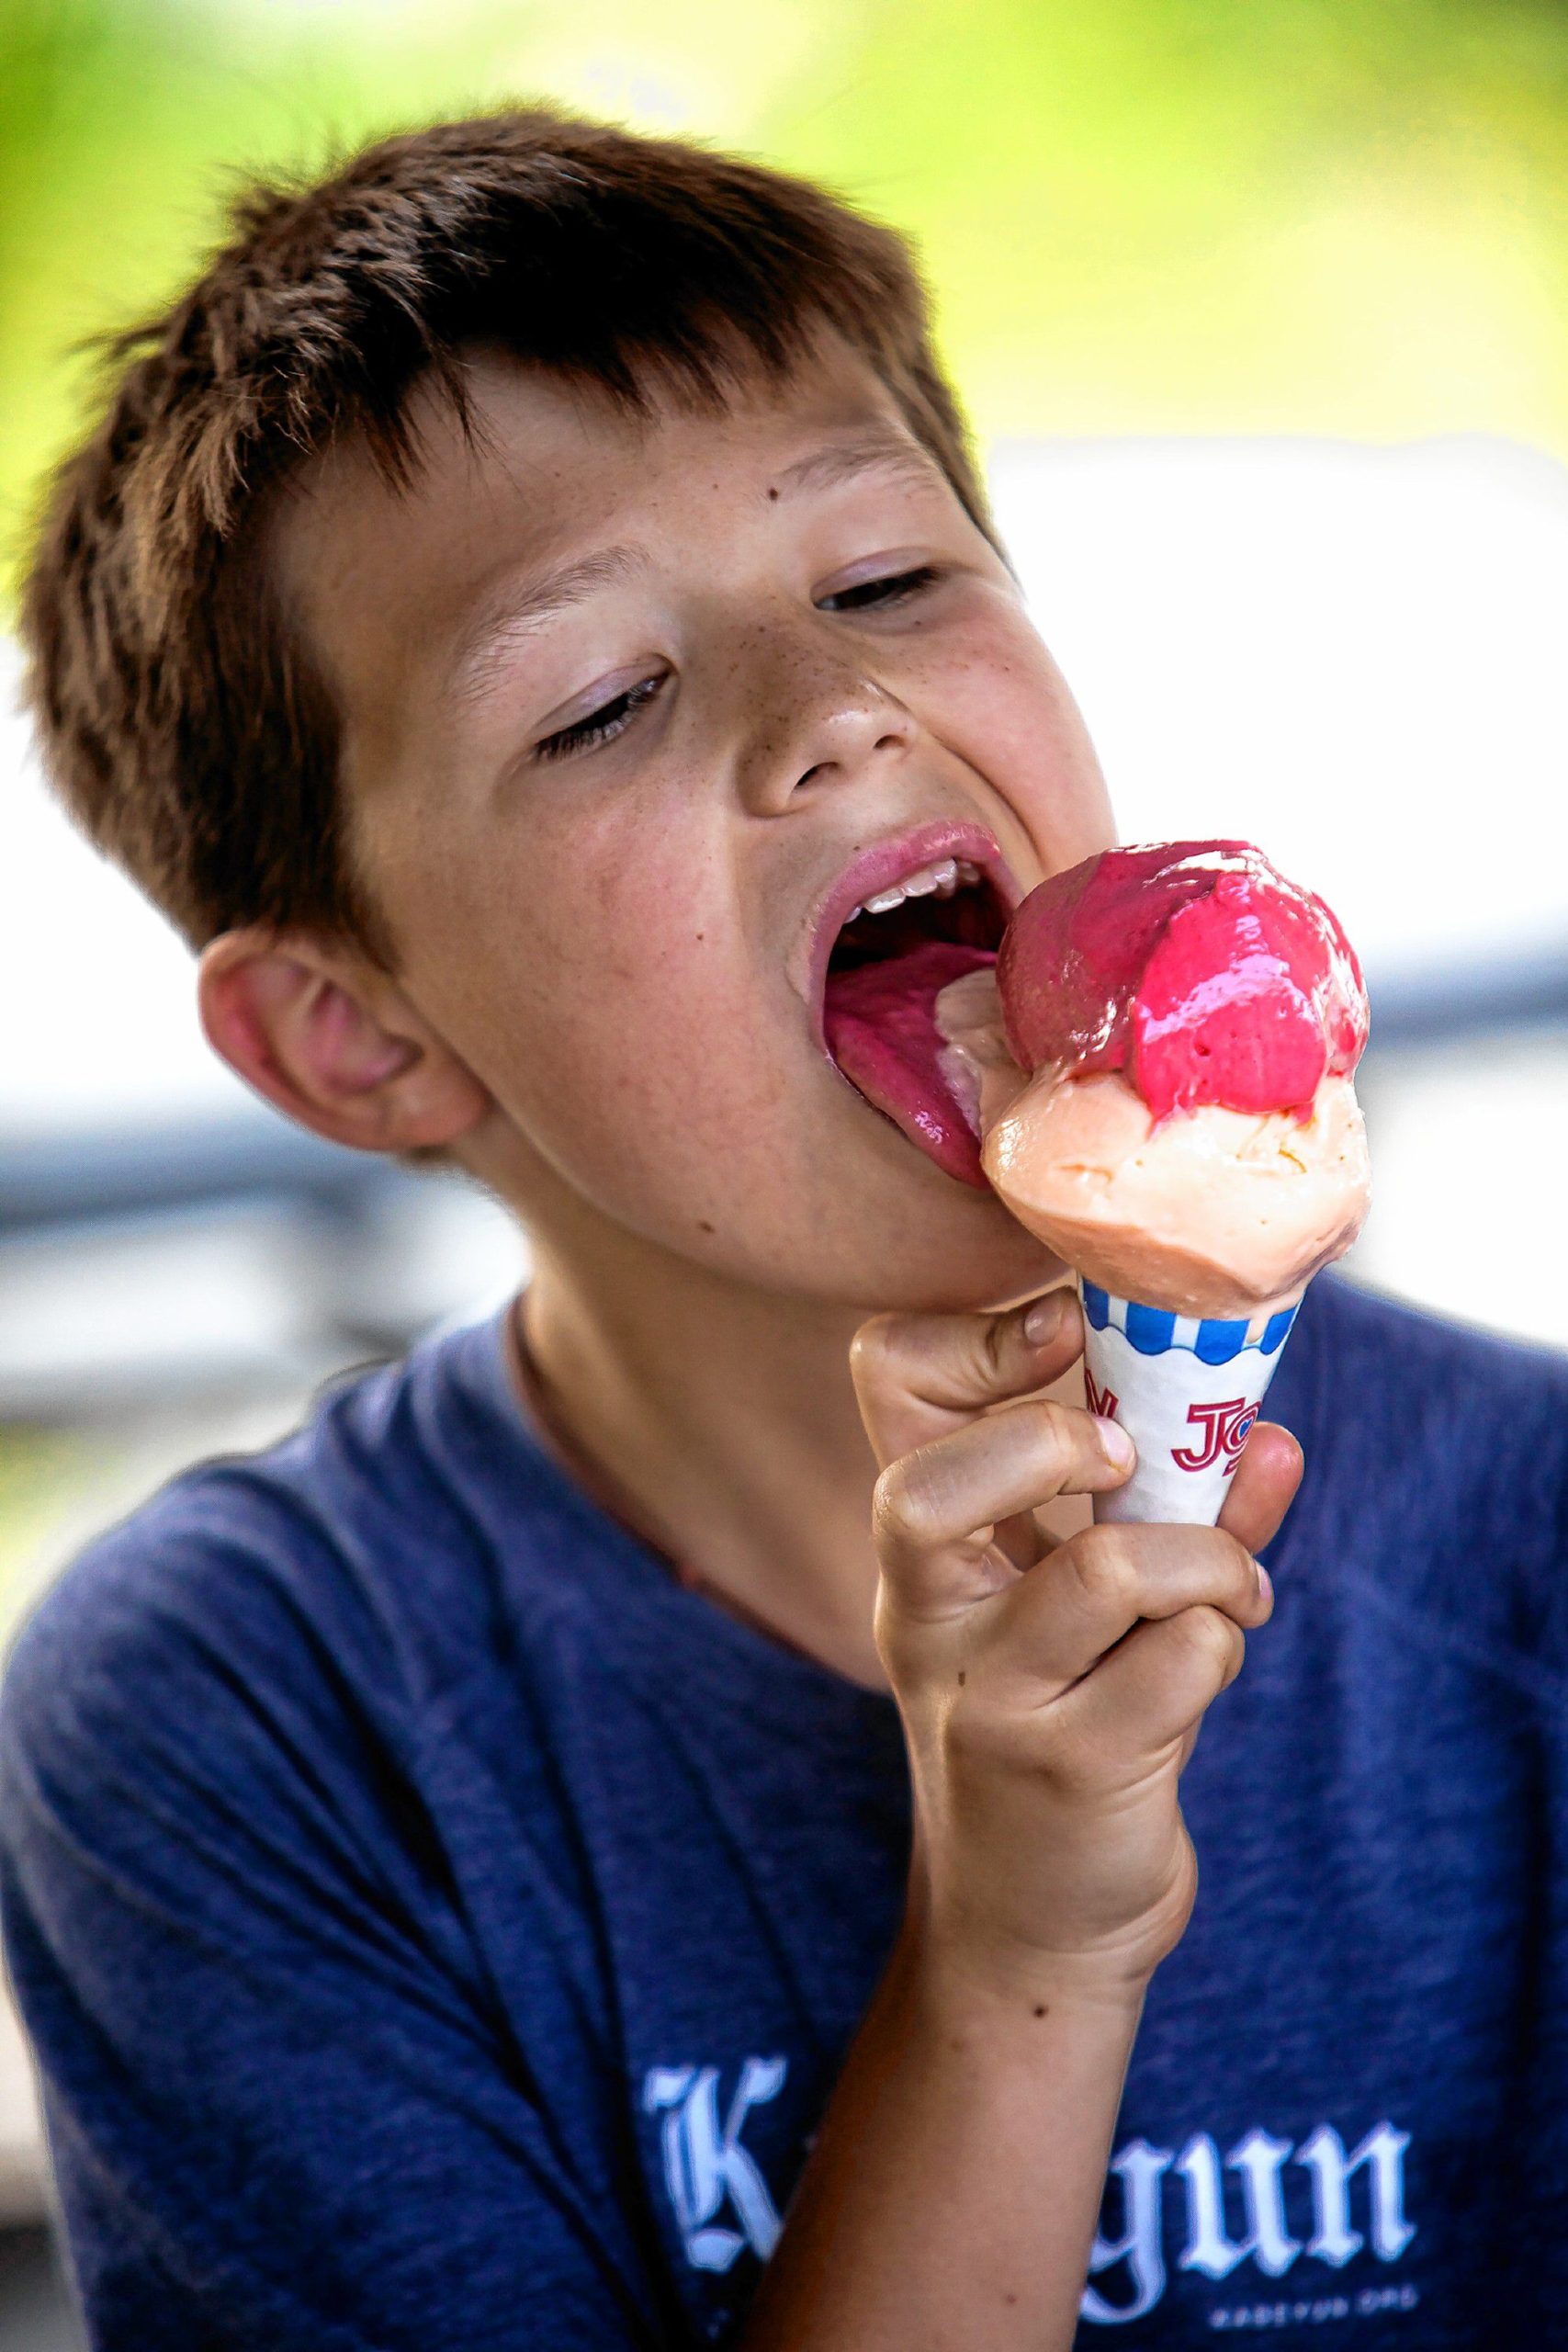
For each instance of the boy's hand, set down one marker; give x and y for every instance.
(1051, 1696)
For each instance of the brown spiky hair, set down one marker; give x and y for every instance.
(182, 721)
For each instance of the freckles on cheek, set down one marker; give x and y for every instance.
(596, 975)
(1005, 679)
(649, 1094)
(1010, 712)
(621, 973)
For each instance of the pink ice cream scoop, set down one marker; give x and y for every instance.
(1189, 1020)
(1192, 966)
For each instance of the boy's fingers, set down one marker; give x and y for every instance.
(1263, 1487)
(1086, 1596)
(917, 1376)
(935, 1510)
(1159, 1681)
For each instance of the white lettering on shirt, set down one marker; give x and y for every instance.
(706, 2166)
(1375, 2165)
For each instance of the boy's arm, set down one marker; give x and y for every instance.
(1050, 1701)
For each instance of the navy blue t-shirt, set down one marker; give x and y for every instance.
(438, 1927)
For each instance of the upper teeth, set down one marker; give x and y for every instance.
(941, 880)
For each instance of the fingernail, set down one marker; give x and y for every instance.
(1118, 1446)
(1044, 1319)
(1265, 1581)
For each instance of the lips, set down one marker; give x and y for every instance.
(905, 919)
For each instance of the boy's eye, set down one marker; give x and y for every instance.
(893, 588)
(610, 720)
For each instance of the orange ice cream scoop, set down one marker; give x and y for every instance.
(1209, 1213)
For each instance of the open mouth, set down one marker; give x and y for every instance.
(890, 961)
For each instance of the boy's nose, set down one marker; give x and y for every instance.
(817, 724)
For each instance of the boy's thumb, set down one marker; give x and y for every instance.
(920, 1377)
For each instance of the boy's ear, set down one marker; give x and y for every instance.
(332, 1041)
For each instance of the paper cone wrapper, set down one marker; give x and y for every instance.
(1186, 1392)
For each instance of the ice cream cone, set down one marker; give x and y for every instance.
(1186, 1392)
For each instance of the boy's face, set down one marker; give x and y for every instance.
(626, 707)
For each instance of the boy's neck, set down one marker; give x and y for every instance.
(720, 1422)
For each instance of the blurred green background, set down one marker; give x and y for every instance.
(1140, 215)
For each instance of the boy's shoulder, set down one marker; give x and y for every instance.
(344, 1572)
(1437, 1478)
(1389, 1367)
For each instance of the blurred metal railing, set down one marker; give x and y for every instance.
(1434, 1008)
(87, 1176)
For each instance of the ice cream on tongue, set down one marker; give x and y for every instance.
(1182, 1129)
(975, 1060)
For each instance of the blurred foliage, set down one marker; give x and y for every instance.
(43, 1475)
(1344, 216)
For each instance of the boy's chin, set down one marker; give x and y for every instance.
(926, 1243)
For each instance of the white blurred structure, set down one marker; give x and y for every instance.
(1352, 656)
(99, 1021)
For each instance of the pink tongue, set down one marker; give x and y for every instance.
(880, 1021)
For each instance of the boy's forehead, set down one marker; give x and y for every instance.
(546, 462)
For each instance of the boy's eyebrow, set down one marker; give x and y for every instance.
(495, 633)
(485, 645)
(880, 450)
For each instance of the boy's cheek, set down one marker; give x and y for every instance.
(669, 1083)
(657, 1077)
(617, 1023)
(1010, 715)
(989, 687)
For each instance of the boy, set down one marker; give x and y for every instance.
(461, 1870)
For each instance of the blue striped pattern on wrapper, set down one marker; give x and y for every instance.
(1187, 1389)
(1152, 1330)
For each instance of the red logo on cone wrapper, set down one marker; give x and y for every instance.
(1100, 1400)
(1224, 1429)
